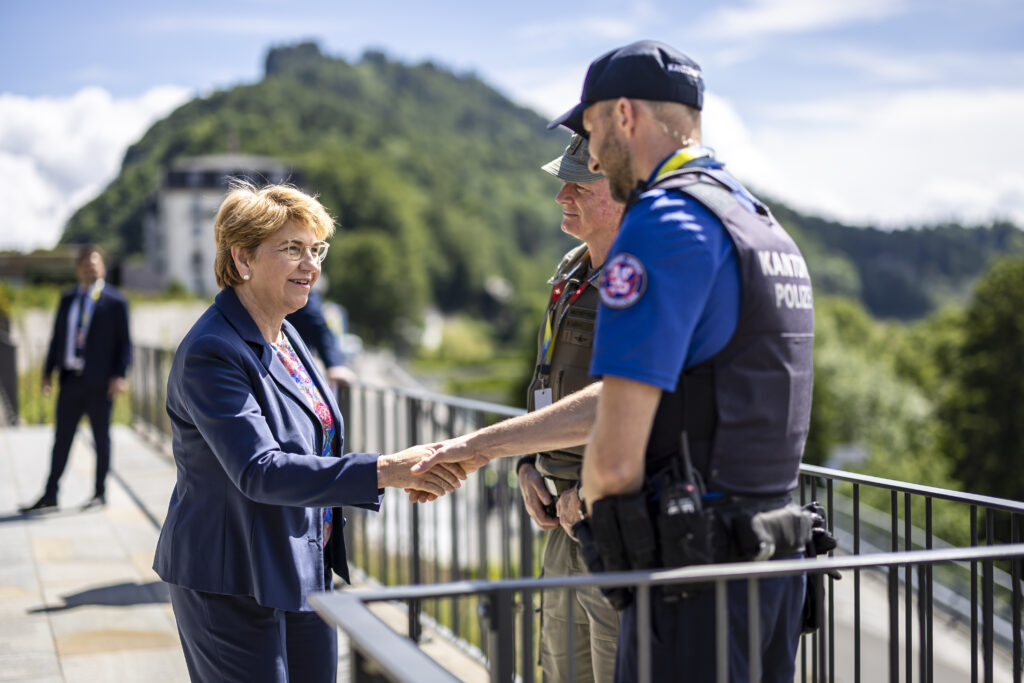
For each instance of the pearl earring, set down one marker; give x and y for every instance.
(246, 276)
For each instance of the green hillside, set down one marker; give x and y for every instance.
(434, 179)
(437, 172)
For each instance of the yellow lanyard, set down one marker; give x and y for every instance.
(557, 294)
(683, 157)
(84, 318)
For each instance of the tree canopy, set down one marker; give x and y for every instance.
(983, 413)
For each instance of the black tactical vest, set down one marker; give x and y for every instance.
(746, 410)
(572, 344)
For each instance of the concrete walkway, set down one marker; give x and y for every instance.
(78, 600)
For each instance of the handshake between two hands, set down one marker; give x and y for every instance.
(429, 471)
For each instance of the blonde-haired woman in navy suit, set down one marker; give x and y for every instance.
(253, 526)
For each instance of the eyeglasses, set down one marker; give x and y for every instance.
(295, 250)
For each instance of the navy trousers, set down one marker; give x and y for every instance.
(75, 399)
(683, 634)
(232, 638)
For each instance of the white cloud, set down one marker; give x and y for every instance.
(549, 91)
(271, 25)
(596, 29)
(772, 17)
(896, 159)
(884, 68)
(57, 153)
(889, 158)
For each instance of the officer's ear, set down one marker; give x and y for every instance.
(624, 114)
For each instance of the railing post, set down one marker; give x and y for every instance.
(643, 632)
(894, 590)
(830, 582)
(415, 606)
(496, 609)
(526, 665)
(908, 592)
(974, 597)
(722, 633)
(343, 394)
(455, 563)
(482, 559)
(1015, 573)
(927, 646)
(754, 629)
(8, 378)
(987, 601)
(856, 585)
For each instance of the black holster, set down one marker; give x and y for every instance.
(617, 537)
(821, 542)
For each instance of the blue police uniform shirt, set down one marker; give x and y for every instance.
(670, 293)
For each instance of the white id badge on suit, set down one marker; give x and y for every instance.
(541, 398)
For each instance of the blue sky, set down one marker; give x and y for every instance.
(893, 112)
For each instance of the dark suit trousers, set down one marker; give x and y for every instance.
(232, 638)
(75, 399)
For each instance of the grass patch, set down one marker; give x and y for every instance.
(34, 408)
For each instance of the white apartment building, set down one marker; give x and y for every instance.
(179, 220)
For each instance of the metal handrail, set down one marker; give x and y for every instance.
(918, 489)
(443, 399)
(401, 659)
(693, 574)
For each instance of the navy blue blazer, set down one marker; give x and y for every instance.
(245, 514)
(108, 346)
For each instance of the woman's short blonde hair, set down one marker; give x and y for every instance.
(249, 215)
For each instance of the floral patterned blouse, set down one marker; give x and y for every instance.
(286, 354)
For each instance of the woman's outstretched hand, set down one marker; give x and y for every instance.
(395, 470)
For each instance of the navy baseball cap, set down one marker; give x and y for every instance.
(645, 70)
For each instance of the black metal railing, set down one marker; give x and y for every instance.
(482, 533)
(399, 659)
(148, 380)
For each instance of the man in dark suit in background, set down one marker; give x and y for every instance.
(91, 348)
(310, 323)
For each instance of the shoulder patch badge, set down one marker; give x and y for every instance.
(623, 281)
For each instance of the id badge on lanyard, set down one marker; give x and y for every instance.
(541, 398)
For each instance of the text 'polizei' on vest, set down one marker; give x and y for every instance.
(779, 264)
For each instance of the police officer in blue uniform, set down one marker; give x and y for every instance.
(704, 342)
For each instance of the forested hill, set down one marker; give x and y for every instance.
(434, 179)
(903, 274)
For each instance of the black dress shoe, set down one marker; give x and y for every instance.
(96, 501)
(43, 504)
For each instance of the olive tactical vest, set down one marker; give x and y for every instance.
(746, 410)
(572, 343)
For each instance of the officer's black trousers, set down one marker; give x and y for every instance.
(683, 634)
